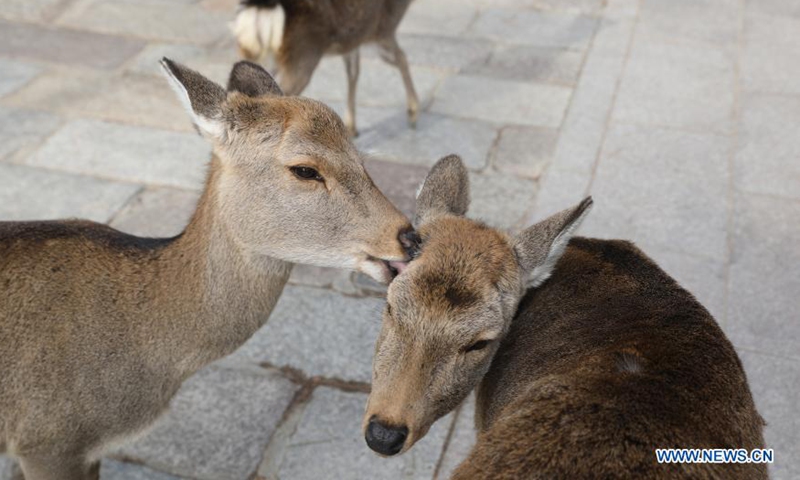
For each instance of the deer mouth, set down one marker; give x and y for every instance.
(389, 269)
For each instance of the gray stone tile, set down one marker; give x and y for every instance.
(677, 86)
(151, 19)
(439, 51)
(782, 8)
(502, 101)
(771, 54)
(773, 382)
(14, 75)
(66, 46)
(588, 7)
(524, 151)
(715, 22)
(768, 147)
(319, 332)
(398, 182)
(461, 440)
(763, 300)
(8, 468)
(157, 212)
(133, 154)
(663, 188)
(32, 194)
(330, 433)
(535, 28)
(27, 10)
(500, 200)
(134, 99)
(438, 17)
(584, 127)
(560, 189)
(529, 64)
(218, 425)
(434, 137)
(379, 84)
(23, 129)
(114, 470)
(147, 61)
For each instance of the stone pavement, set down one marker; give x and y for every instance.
(681, 117)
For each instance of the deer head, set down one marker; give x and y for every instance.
(448, 311)
(289, 182)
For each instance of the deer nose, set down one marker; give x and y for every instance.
(410, 241)
(385, 439)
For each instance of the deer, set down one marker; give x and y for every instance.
(296, 34)
(585, 355)
(100, 328)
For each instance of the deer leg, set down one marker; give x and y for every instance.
(394, 55)
(59, 468)
(351, 64)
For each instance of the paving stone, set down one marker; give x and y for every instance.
(439, 51)
(781, 8)
(768, 147)
(148, 60)
(500, 200)
(524, 151)
(330, 434)
(560, 189)
(32, 194)
(23, 129)
(677, 86)
(157, 212)
(529, 64)
(715, 22)
(771, 54)
(398, 182)
(71, 47)
(589, 7)
(218, 425)
(379, 84)
(535, 28)
(773, 382)
(28, 10)
(763, 300)
(584, 127)
(438, 17)
(319, 332)
(502, 101)
(664, 188)
(134, 99)
(114, 470)
(151, 19)
(461, 440)
(133, 154)
(14, 75)
(8, 468)
(434, 137)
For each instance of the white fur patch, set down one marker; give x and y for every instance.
(542, 272)
(259, 30)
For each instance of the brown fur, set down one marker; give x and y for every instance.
(603, 363)
(314, 28)
(100, 328)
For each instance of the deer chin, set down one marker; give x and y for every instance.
(383, 271)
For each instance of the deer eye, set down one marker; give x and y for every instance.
(306, 173)
(479, 345)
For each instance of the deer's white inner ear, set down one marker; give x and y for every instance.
(208, 127)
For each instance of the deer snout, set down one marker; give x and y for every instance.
(410, 241)
(385, 439)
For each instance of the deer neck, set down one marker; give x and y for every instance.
(226, 292)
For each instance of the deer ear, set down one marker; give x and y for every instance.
(539, 247)
(201, 97)
(252, 80)
(444, 191)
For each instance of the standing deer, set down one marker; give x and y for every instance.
(100, 328)
(299, 32)
(582, 375)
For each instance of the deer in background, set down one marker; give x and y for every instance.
(100, 328)
(297, 33)
(587, 356)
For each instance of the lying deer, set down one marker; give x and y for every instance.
(299, 32)
(99, 328)
(582, 375)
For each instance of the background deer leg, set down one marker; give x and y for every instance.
(351, 65)
(394, 55)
